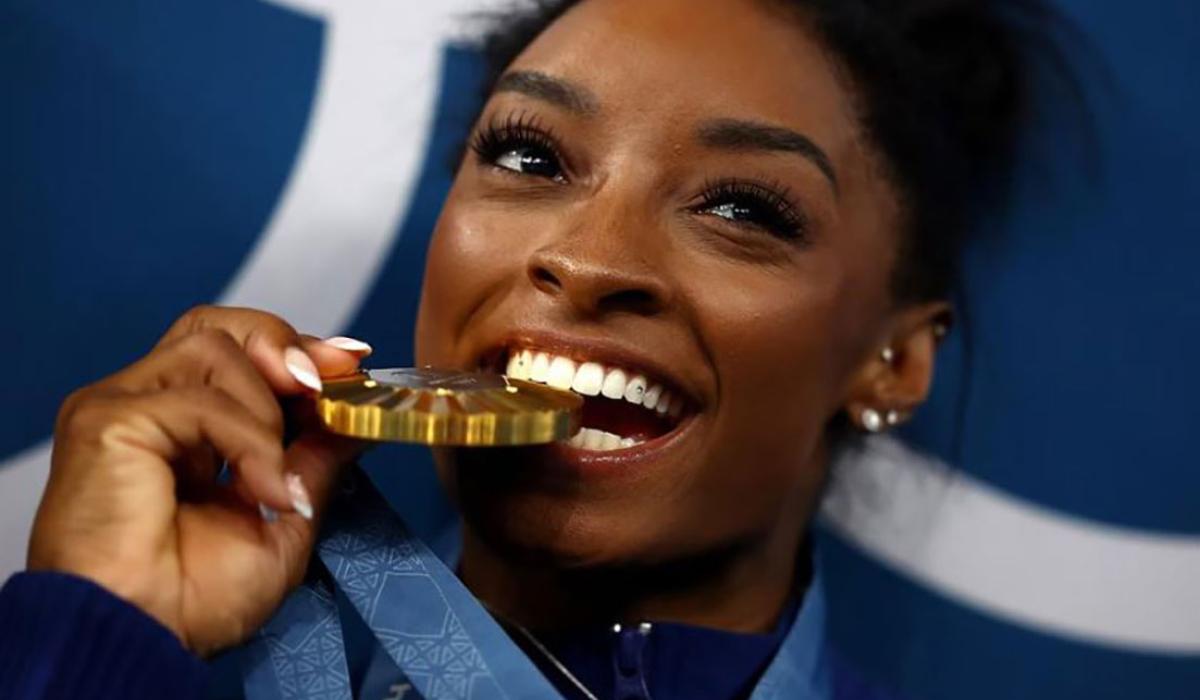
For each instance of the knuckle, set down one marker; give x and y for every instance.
(190, 321)
(258, 319)
(211, 340)
(71, 403)
(196, 317)
(258, 315)
(84, 408)
(89, 414)
(73, 411)
(264, 324)
(209, 345)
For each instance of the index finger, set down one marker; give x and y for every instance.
(290, 362)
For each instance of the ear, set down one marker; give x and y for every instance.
(895, 376)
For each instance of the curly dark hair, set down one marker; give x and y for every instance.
(940, 93)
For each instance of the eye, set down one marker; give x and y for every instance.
(530, 160)
(755, 205)
(520, 145)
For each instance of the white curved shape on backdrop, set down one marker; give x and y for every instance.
(1013, 559)
(341, 207)
(362, 153)
(338, 214)
(22, 478)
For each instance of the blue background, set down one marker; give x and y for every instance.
(144, 144)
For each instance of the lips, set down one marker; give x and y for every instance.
(625, 406)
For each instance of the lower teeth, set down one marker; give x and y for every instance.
(600, 440)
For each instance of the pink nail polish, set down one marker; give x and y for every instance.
(353, 345)
(301, 502)
(302, 368)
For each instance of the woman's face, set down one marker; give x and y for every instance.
(678, 189)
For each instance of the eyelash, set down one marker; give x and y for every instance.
(500, 137)
(771, 201)
(768, 203)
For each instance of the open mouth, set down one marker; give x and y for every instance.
(623, 408)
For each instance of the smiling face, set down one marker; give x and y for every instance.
(677, 190)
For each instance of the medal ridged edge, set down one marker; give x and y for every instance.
(520, 413)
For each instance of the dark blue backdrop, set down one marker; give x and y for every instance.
(143, 146)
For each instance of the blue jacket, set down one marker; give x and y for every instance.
(65, 637)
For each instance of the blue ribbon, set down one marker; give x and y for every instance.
(431, 627)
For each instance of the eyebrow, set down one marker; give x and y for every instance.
(730, 134)
(741, 135)
(563, 93)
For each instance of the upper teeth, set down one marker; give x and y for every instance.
(591, 379)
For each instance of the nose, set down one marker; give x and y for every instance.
(600, 269)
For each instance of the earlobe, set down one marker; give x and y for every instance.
(873, 421)
(896, 380)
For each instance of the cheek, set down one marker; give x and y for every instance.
(777, 346)
(788, 346)
(786, 349)
(780, 355)
(470, 261)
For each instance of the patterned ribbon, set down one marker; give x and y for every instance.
(438, 635)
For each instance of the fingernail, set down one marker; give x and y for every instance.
(268, 513)
(302, 368)
(353, 345)
(300, 500)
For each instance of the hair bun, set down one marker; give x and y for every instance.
(966, 51)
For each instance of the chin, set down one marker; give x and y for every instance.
(516, 512)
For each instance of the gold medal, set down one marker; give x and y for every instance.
(447, 407)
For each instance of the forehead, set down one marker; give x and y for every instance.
(677, 61)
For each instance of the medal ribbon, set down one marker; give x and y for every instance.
(446, 644)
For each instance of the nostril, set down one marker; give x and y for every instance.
(544, 279)
(593, 286)
(638, 300)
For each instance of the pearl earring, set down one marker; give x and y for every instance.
(872, 422)
(893, 418)
(887, 354)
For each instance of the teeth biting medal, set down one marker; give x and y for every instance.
(447, 407)
(624, 406)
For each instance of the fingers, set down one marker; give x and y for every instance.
(250, 359)
(131, 500)
(313, 463)
(144, 436)
(208, 357)
(333, 357)
(316, 458)
(291, 364)
(196, 417)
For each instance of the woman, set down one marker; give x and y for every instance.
(731, 224)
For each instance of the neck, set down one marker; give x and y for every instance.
(742, 587)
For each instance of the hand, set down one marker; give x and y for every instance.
(132, 502)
